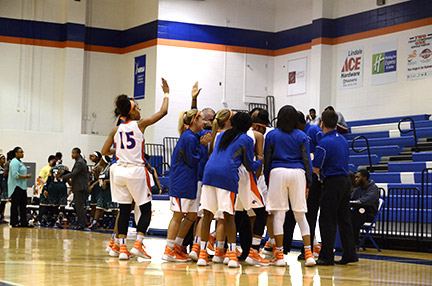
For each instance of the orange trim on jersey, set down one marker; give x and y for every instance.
(148, 179)
(254, 187)
(233, 199)
(126, 121)
(179, 204)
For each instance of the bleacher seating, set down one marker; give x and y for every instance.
(398, 169)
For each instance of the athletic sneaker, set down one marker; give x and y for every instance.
(316, 249)
(124, 252)
(115, 250)
(310, 261)
(172, 256)
(278, 260)
(226, 260)
(181, 251)
(219, 256)
(194, 254)
(268, 249)
(110, 245)
(139, 250)
(255, 259)
(203, 258)
(211, 242)
(233, 260)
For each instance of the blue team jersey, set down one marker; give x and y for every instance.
(183, 177)
(287, 150)
(203, 150)
(331, 155)
(315, 134)
(221, 170)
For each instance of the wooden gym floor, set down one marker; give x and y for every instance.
(41, 256)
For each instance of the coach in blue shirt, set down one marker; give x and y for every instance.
(331, 162)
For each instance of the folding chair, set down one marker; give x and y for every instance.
(368, 226)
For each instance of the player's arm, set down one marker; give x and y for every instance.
(194, 93)
(109, 142)
(144, 122)
(259, 150)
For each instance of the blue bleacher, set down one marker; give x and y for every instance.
(428, 190)
(389, 150)
(396, 119)
(407, 201)
(393, 177)
(408, 166)
(156, 162)
(420, 132)
(400, 141)
(358, 160)
(422, 157)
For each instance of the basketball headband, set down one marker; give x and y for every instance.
(188, 125)
(130, 110)
(230, 115)
(260, 124)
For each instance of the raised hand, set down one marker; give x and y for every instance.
(165, 86)
(195, 90)
(205, 139)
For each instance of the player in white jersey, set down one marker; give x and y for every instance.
(130, 178)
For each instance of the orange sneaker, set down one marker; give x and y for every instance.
(124, 252)
(180, 250)
(115, 250)
(219, 255)
(254, 258)
(171, 255)
(310, 261)
(238, 252)
(203, 258)
(194, 254)
(110, 245)
(278, 260)
(211, 242)
(233, 260)
(139, 250)
(268, 249)
(316, 249)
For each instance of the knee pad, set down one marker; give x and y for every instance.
(300, 218)
(278, 221)
(123, 221)
(144, 220)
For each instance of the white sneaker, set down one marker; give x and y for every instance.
(310, 262)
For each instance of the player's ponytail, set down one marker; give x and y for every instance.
(186, 119)
(241, 122)
(124, 106)
(222, 116)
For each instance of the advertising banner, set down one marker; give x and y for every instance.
(419, 57)
(384, 63)
(351, 68)
(297, 76)
(139, 80)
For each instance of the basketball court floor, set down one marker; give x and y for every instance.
(41, 256)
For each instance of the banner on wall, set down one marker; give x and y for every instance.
(384, 63)
(297, 76)
(419, 57)
(139, 78)
(351, 68)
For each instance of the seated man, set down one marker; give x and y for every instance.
(364, 202)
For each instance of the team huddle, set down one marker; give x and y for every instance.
(241, 164)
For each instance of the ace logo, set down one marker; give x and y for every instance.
(351, 64)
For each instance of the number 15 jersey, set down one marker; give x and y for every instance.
(129, 143)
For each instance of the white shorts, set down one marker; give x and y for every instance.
(262, 186)
(200, 211)
(184, 205)
(215, 199)
(286, 183)
(249, 195)
(130, 183)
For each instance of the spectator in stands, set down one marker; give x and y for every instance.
(3, 189)
(79, 176)
(364, 202)
(17, 188)
(312, 118)
(331, 162)
(156, 188)
(342, 126)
